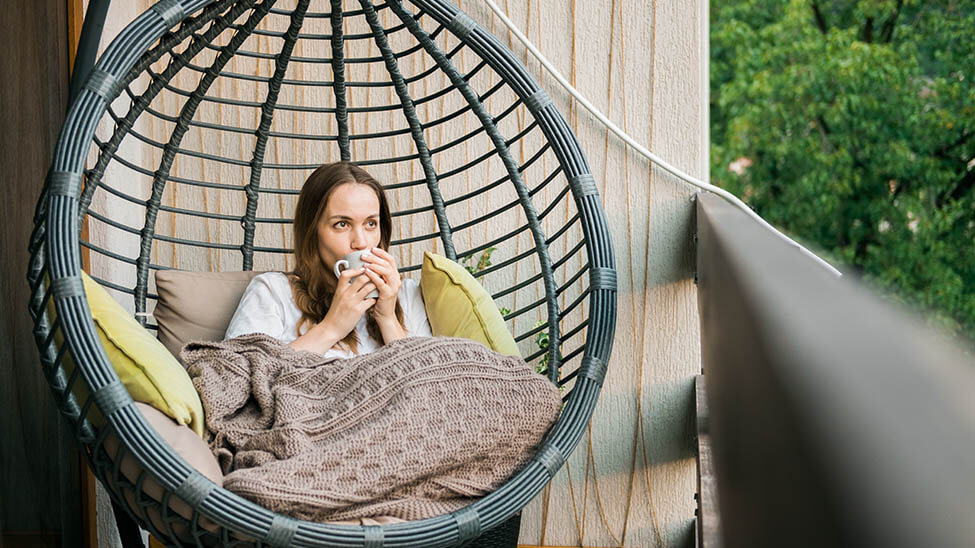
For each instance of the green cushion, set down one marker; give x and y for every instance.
(457, 306)
(149, 372)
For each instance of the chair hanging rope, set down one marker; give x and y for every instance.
(185, 149)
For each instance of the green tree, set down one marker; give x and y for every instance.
(851, 125)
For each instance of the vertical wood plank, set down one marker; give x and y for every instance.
(39, 481)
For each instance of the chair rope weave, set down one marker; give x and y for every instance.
(187, 146)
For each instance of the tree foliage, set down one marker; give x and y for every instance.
(851, 125)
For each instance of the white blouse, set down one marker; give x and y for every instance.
(268, 306)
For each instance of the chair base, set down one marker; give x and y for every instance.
(128, 530)
(502, 536)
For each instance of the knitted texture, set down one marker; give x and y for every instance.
(418, 428)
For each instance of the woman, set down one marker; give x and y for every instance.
(341, 209)
(417, 429)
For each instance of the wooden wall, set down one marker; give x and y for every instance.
(39, 480)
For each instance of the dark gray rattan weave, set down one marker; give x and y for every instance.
(187, 50)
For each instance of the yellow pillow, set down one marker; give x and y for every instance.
(457, 306)
(149, 372)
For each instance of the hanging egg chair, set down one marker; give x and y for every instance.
(186, 149)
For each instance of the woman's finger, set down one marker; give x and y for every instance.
(367, 288)
(361, 280)
(346, 277)
(350, 273)
(386, 271)
(374, 276)
(374, 259)
(379, 282)
(381, 269)
(382, 253)
(384, 256)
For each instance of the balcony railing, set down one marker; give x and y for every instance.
(833, 418)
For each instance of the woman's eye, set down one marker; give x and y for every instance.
(341, 224)
(372, 224)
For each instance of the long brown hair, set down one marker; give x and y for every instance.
(312, 282)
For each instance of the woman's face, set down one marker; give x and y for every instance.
(349, 223)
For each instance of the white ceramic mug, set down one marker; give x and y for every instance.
(354, 260)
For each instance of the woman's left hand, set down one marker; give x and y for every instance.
(381, 269)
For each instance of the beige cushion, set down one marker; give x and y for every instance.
(196, 306)
(186, 444)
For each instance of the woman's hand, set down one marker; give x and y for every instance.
(348, 305)
(382, 272)
(349, 302)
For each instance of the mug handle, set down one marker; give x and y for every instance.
(340, 263)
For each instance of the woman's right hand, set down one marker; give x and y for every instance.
(348, 305)
(349, 302)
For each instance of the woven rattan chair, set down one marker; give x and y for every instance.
(187, 146)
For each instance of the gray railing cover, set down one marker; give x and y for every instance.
(836, 419)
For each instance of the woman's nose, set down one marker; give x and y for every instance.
(358, 239)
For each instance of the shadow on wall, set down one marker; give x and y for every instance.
(667, 422)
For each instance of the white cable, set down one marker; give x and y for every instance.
(643, 150)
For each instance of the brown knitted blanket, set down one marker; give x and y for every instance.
(415, 429)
